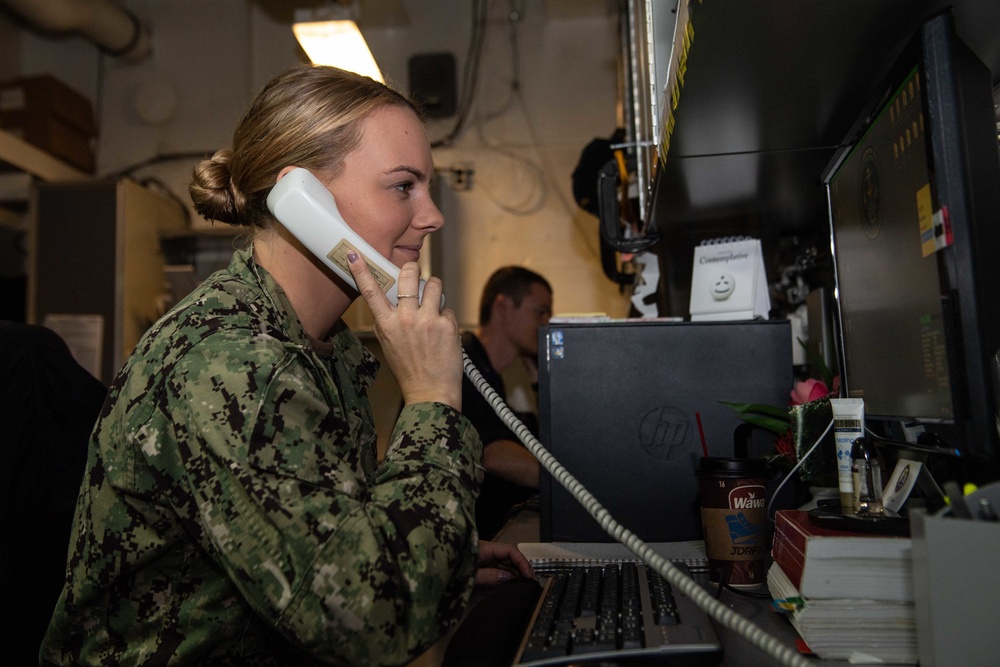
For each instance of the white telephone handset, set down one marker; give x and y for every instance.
(307, 209)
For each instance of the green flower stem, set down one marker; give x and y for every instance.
(774, 419)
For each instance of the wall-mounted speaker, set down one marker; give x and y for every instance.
(433, 83)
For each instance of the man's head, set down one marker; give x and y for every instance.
(515, 302)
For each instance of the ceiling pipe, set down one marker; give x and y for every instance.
(114, 29)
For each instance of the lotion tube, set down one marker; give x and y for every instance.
(848, 426)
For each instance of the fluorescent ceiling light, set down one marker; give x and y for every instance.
(337, 43)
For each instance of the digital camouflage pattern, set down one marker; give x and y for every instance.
(233, 512)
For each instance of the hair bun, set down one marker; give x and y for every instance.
(212, 191)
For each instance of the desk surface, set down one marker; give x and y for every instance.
(737, 651)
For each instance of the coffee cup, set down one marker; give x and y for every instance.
(733, 498)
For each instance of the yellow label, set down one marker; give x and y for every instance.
(339, 257)
(925, 213)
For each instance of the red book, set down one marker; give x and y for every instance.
(826, 563)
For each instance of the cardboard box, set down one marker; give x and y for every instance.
(52, 116)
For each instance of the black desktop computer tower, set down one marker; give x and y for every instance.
(623, 404)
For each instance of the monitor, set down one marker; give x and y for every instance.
(914, 204)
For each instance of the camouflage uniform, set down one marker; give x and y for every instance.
(233, 513)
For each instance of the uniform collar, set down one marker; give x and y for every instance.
(341, 344)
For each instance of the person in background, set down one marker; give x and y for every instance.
(233, 511)
(515, 303)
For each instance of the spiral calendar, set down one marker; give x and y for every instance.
(728, 281)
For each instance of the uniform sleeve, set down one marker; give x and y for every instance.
(355, 570)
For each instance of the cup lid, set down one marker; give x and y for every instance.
(719, 466)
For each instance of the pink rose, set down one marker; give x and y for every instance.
(808, 390)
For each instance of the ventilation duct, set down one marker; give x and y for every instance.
(109, 25)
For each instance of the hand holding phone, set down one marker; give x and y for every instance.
(420, 342)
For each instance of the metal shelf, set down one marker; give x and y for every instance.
(32, 160)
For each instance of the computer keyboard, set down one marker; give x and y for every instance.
(614, 611)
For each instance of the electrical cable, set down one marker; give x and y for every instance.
(156, 159)
(534, 200)
(796, 467)
(164, 189)
(470, 71)
(688, 586)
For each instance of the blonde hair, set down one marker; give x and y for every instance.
(309, 116)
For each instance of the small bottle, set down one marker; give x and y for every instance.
(867, 476)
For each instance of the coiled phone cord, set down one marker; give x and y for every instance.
(720, 612)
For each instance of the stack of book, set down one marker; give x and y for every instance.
(849, 595)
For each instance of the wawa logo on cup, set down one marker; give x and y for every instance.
(748, 497)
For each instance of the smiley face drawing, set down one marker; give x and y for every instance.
(723, 287)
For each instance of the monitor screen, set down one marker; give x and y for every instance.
(914, 211)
